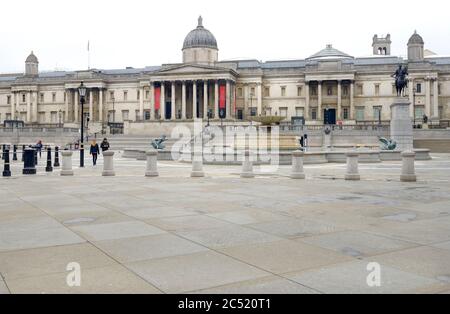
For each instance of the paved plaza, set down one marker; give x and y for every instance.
(224, 234)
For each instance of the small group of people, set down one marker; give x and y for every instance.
(95, 149)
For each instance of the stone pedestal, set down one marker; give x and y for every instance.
(408, 168)
(297, 165)
(108, 164)
(66, 169)
(247, 166)
(197, 164)
(352, 167)
(152, 164)
(401, 124)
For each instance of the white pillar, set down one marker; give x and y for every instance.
(297, 165)
(152, 164)
(352, 167)
(228, 107)
(352, 101)
(216, 100)
(339, 102)
(183, 100)
(66, 106)
(411, 98)
(259, 96)
(100, 105)
(141, 103)
(247, 166)
(173, 107)
(162, 109)
(428, 98)
(76, 99)
(28, 107)
(408, 168)
(194, 100)
(108, 164)
(436, 99)
(205, 99)
(306, 113)
(66, 167)
(319, 101)
(91, 105)
(152, 101)
(13, 109)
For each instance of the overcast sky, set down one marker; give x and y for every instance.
(140, 33)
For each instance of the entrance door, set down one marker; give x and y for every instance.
(329, 116)
(168, 113)
(240, 116)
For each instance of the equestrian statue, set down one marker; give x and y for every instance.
(401, 80)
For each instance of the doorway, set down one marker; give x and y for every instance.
(329, 116)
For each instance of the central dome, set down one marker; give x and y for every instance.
(200, 38)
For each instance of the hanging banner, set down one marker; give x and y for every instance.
(157, 98)
(222, 96)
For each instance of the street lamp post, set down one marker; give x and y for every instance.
(82, 92)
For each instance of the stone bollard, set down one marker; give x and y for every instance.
(29, 165)
(247, 166)
(7, 168)
(49, 167)
(15, 153)
(66, 163)
(108, 164)
(197, 164)
(408, 169)
(352, 167)
(297, 165)
(56, 164)
(152, 164)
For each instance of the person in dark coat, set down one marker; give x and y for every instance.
(95, 150)
(104, 145)
(39, 146)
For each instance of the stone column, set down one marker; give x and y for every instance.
(216, 100)
(162, 109)
(259, 97)
(319, 101)
(152, 101)
(401, 127)
(205, 99)
(66, 106)
(297, 165)
(352, 101)
(91, 105)
(152, 163)
(352, 173)
(35, 107)
(100, 105)
(306, 113)
(435, 100)
(339, 101)
(28, 107)
(228, 106)
(108, 164)
(411, 98)
(194, 100)
(183, 100)
(408, 169)
(13, 106)
(76, 110)
(141, 103)
(173, 115)
(66, 169)
(428, 98)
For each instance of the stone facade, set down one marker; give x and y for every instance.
(328, 87)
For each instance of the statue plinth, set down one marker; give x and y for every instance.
(401, 124)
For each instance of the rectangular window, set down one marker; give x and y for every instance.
(345, 90)
(137, 115)
(299, 91)
(41, 117)
(283, 91)
(346, 113)
(360, 114)
(65, 95)
(125, 115)
(252, 91)
(360, 89)
(419, 111)
(418, 88)
(138, 95)
(377, 113)
(111, 95)
(24, 98)
(54, 97)
(299, 111)
(377, 89)
(8, 116)
(439, 89)
(147, 94)
(329, 90)
(125, 96)
(253, 111)
(266, 91)
(8, 100)
(313, 113)
(239, 92)
(53, 117)
(313, 90)
(111, 117)
(284, 112)
(41, 97)
(147, 114)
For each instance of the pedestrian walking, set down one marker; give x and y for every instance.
(94, 151)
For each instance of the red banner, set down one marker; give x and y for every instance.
(222, 96)
(157, 98)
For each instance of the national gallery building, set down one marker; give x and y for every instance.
(328, 87)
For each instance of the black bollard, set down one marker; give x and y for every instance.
(15, 152)
(29, 161)
(49, 167)
(56, 164)
(7, 169)
(23, 151)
